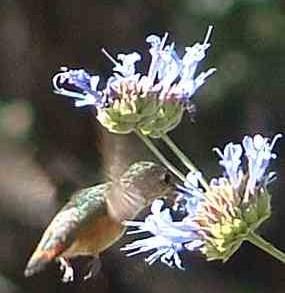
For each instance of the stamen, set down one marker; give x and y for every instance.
(275, 138)
(208, 35)
(218, 151)
(110, 57)
(163, 41)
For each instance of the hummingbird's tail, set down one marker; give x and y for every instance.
(34, 266)
(40, 259)
(54, 241)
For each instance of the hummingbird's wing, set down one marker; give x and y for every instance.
(123, 203)
(61, 232)
(116, 155)
(136, 188)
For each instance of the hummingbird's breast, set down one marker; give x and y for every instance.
(96, 236)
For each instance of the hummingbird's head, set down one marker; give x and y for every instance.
(138, 187)
(149, 180)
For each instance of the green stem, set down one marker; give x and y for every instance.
(266, 246)
(184, 159)
(160, 156)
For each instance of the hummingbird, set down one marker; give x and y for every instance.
(91, 221)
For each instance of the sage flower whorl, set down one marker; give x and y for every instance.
(217, 220)
(152, 103)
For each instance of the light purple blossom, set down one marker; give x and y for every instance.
(190, 195)
(168, 238)
(85, 92)
(168, 74)
(231, 161)
(258, 151)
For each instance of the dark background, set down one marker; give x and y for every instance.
(49, 149)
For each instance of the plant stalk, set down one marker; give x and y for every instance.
(183, 158)
(160, 156)
(266, 246)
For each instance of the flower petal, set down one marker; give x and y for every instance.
(258, 151)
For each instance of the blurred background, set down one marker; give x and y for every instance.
(49, 149)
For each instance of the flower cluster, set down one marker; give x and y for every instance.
(217, 219)
(168, 237)
(153, 103)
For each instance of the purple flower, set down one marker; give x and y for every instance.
(85, 87)
(231, 161)
(168, 75)
(168, 238)
(215, 219)
(258, 151)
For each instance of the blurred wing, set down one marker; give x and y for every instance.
(117, 153)
(122, 203)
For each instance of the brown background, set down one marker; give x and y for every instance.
(49, 149)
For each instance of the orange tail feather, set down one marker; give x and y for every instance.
(41, 258)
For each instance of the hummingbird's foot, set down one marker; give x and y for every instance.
(94, 268)
(66, 267)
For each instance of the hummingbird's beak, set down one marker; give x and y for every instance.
(182, 189)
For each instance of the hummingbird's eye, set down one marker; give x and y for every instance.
(167, 178)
